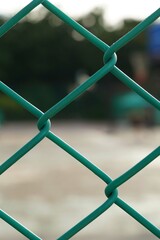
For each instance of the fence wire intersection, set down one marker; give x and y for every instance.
(44, 124)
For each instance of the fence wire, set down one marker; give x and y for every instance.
(44, 124)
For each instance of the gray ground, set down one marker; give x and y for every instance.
(49, 191)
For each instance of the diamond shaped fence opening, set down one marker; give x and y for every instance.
(44, 124)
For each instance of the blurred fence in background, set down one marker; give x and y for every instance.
(44, 124)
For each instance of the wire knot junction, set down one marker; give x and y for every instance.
(110, 57)
(43, 124)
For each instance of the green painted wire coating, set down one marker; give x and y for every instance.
(21, 14)
(19, 227)
(44, 125)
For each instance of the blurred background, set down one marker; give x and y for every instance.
(43, 60)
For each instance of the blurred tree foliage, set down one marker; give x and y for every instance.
(41, 59)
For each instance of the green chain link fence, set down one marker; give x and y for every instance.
(44, 124)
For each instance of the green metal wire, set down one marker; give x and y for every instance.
(44, 124)
(19, 227)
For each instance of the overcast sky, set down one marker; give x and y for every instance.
(115, 10)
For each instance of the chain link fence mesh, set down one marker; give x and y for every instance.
(44, 124)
